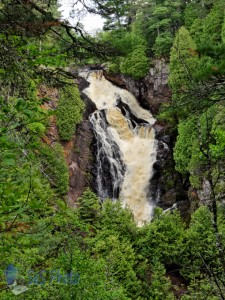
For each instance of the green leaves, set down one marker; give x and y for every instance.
(163, 44)
(183, 63)
(116, 12)
(135, 64)
(187, 134)
(69, 112)
(89, 207)
(9, 162)
(160, 288)
(217, 150)
(156, 18)
(55, 167)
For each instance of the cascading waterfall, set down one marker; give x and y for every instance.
(126, 147)
(110, 168)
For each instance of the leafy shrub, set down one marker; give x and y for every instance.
(183, 148)
(55, 167)
(136, 63)
(69, 113)
(163, 44)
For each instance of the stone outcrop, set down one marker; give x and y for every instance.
(170, 186)
(151, 91)
(80, 162)
(77, 151)
(81, 157)
(52, 96)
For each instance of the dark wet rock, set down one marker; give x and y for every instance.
(185, 209)
(179, 283)
(150, 91)
(96, 67)
(90, 106)
(176, 199)
(79, 152)
(171, 197)
(117, 79)
(125, 109)
(167, 186)
(158, 128)
(166, 139)
(82, 83)
(80, 161)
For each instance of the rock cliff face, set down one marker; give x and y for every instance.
(77, 151)
(171, 187)
(80, 155)
(80, 162)
(151, 91)
(168, 188)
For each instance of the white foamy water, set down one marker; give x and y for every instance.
(105, 94)
(121, 141)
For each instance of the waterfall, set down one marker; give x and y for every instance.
(126, 147)
(110, 168)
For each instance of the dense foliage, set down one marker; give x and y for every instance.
(69, 113)
(96, 251)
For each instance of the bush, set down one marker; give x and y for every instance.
(55, 168)
(163, 44)
(136, 63)
(69, 113)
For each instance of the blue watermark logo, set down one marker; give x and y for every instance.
(39, 277)
(11, 274)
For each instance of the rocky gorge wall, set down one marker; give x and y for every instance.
(168, 187)
(80, 155)
(151, 91)
(78, 151)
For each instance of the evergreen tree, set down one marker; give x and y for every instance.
(116, 12)
(159, 20)
(183, 63)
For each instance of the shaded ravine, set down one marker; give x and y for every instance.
(126, 147)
